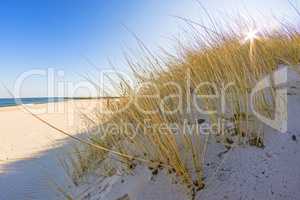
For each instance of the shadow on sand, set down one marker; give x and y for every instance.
(38, 177)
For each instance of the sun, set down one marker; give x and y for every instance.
(251, 35)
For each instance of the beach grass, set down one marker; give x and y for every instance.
(162, 97)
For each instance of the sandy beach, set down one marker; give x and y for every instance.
(30, 150)
(150, 100)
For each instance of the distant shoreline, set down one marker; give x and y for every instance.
(9, 102)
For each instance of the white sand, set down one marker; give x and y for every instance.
(29, 149)
(242, 173)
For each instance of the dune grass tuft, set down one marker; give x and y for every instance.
(152, 119)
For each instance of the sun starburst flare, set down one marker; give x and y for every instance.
(251, 36)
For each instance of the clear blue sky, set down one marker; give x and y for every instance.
(37, 34)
